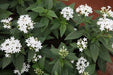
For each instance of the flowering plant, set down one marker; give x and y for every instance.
(45, 37)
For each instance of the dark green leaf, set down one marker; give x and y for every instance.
(18, 62)
(49, 3)
(38, 9)
(56, 68)
(62, 29)
(102, 65)
(6, 61)
(104, 54)
(72, 5)
(74, 35)
(30, 55)
(4, 14)
(4, 6)
(90, 69)
(72, 56)
(51, 14)
(94, 50)
(42, 63)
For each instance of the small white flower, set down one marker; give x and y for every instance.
(36, 57)
(84, 10)
(106, 11)
(7, 55)
(34, 43)
(67, 13)
(25, 68)
(39, 56)
(7, 23)
(81, 65)
(105, 24)
(25, 23)
(75, 29)
(72, 61)
(11, 46)
(82, 44)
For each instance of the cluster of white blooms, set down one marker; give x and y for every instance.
(81, 65)
(105, 24)
(10, 46)
(25, 68)
(63, 52)
(36, 57)
(38, 71)
(84, 10)
(67, 13)
(33, 43)
(7, 22)
(82, 44)
(106, 11)
(25, 23)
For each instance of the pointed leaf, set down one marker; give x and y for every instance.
(74, 35)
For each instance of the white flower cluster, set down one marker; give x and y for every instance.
(63, 52)
(7, 23)
(106, 11)
(67, 13)
(25, 68)
(82, 64)
(10, 46)
(25, 23)
(82, 44)
(34, 43)
(84, 10)
(36, 57)
(105, 24)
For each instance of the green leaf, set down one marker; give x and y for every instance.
(56, 73)
(51, 13)
(102, 65)
(42, 63)
(74, 35)
(4, 6)
(87, 52)
(56, 68)
(106, 43)
(21, 2)
(30, 55)
(72, 5)
(90, 69)
(21, 10)
(104, 54)
(62, 29)
(4, 14)
(54, 51)
(18, 62)
(72, 56)
(6, 61)
(38, 9)
(67, 63)
(44, 21)
(94, 50)
(49, 3)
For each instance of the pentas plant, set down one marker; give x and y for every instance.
(44, 37)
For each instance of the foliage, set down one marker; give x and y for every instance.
(54, 32)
